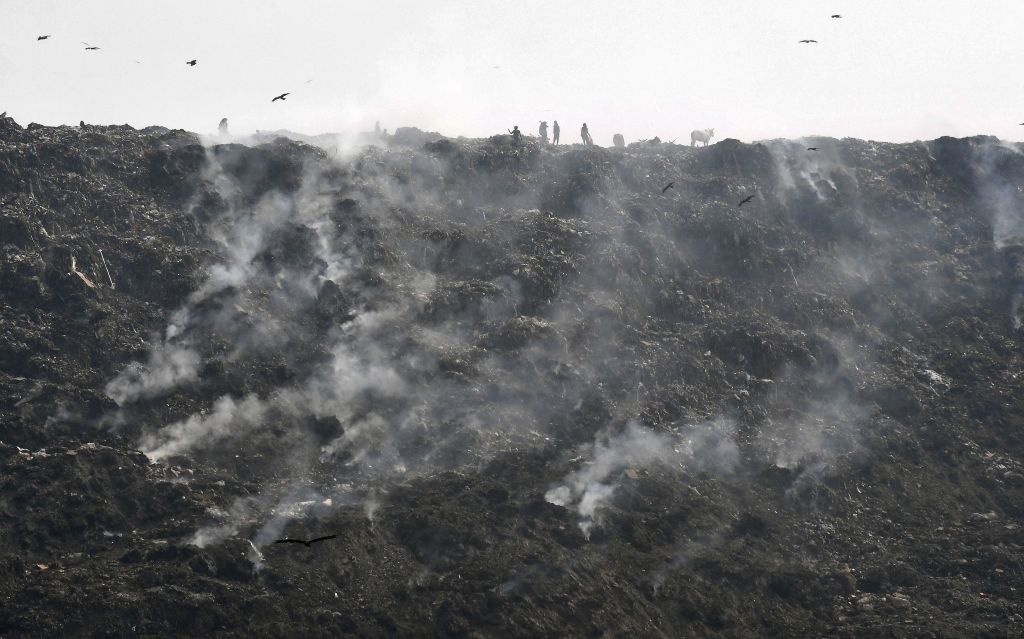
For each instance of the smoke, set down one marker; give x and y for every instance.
(588, 491)
(167, 366)
(996, 167)
(227, 524)
(387, 315)
(997, 171)
(228, 418)
(819, 172)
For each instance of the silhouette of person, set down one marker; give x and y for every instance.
(585, 134)
(517, 135)
(222, 128)
(376, 129)
(544, 132)
(555, 131)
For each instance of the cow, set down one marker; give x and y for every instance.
(701, 136)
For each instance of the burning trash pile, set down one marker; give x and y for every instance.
(485, 388)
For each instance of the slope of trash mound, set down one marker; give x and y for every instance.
(525, 390)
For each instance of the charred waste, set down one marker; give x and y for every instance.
(530, 393)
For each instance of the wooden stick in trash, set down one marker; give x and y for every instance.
(82, 276)
(107, 270)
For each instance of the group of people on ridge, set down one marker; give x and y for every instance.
(517, 135)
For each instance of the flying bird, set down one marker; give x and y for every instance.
(304, 542)
(836, 15)
(280, 97)
(191, 63)
(45, 37)
(808, 41)
(668, 186)
(89, 47)
(812, 148)
(745, 200)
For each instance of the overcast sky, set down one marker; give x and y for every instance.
(888, 70)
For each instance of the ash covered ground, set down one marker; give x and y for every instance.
(531, 394)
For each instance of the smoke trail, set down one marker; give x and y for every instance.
(589, 489)
(168, 366)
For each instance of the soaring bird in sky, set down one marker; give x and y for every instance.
(89, 47)
(745, 200)
(191, 63)
(280, 97)
(42, 37)
(304, 542)
(836, 15)
(812, 148)
(668, 186)
(808, 41)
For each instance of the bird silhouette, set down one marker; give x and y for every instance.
(191, 63)
(304, 542)
(280, 97)
(45, 37)
(92, 48)
(836, 15)
(808, 41)
(89, 47)
(812, 148)
(668, 186)
(745, 200)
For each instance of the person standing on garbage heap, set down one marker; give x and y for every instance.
(555, 131)
(585, 134)
(543, 132)
(376, 129)
(222, 128)
(517, 136)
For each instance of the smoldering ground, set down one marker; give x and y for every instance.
(408, 347)
(417, 322)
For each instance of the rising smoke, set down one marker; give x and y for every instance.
(414, 320)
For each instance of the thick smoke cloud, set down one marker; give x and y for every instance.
(417, 321)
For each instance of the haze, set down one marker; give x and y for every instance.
(887, 70)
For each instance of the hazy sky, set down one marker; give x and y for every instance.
(888, 70)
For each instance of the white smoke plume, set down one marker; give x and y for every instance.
(589, 489)
(1004, 197)
(168, 366)
(386, 395)
(227, 523)
(228, 418)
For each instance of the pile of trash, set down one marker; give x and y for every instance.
(509, 389)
